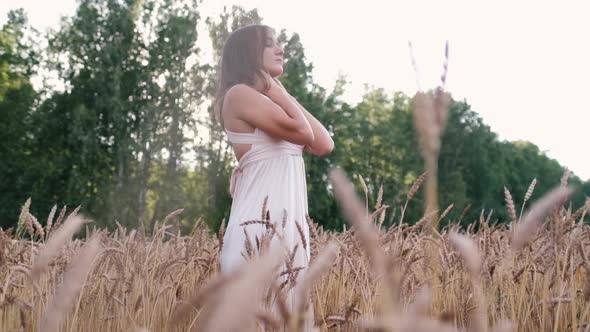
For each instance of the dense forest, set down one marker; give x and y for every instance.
(130, 136)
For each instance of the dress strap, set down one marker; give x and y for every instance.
(257, 137)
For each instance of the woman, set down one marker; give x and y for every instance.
(269, 130)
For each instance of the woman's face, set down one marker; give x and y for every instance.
(272, 56)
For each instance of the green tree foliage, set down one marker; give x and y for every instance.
(18, 62)
(130, 95)
(132, 135)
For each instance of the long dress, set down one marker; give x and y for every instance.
(272, 170)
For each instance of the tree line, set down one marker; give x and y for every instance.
(128, 132)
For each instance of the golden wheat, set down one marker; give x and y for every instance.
(528, 277)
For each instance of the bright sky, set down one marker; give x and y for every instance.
(522, 65)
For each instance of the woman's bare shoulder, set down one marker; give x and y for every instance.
(241, 99)
(241, 93)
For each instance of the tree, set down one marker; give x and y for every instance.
(132, 80)
(18, 63)
(180, 95)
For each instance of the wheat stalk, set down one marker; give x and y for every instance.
(60, 237)
(73, 283)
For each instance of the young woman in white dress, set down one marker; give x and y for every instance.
(269, 130)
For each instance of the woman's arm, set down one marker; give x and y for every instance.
(277, 113)
(322, 143)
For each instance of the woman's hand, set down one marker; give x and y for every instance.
(276, 92)
(281, 85)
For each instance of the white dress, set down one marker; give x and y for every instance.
(275, 169)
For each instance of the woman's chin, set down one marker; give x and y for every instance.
(276, 72)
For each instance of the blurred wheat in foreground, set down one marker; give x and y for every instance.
(528, 275)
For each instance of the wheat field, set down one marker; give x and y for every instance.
(527, 275)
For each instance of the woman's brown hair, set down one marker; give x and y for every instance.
(241, 61)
